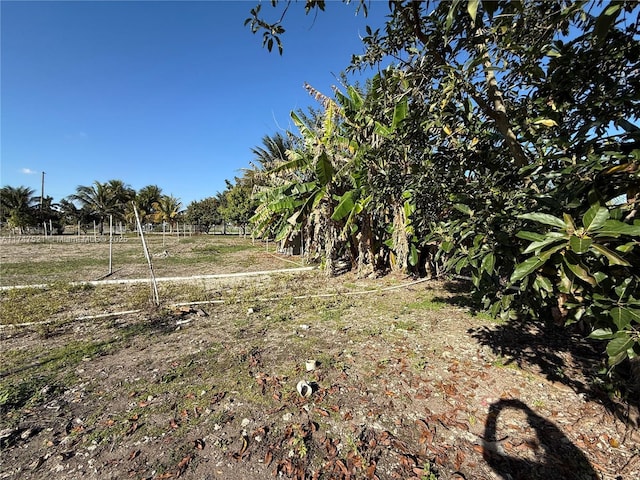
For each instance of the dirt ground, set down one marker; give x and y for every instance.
(407, 385)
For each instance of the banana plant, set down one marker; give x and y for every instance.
(592, 270)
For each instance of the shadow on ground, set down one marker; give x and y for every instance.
(549, 455)
(562, 354)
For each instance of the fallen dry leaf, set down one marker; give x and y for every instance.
(245, 445)
(371, 470)
(340, 464)
(183, 464)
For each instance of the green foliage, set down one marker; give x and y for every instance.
(503, 146)
(100, 200)
(167, 210)
(592, 269)
(204, 213)
(237, 205)
(21, 209)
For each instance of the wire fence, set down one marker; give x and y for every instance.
(119, 234)
(19, 239)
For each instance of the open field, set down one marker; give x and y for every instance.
(408, 384)
(71, 258)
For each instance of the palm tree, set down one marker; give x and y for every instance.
(146, 197)
(273, 150)
(144, 201)
(122, 192)
(104, 199)
(16, 205)
(69, 212)
(167, 209)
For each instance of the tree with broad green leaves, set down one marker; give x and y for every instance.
(492, 118)
(204, 213)
(236, 204)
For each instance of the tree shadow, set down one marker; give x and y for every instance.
(548, 456)
(562, 354)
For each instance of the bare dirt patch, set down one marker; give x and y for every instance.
(408, 385)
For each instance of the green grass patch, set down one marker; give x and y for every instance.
(43, 269)
(45, 372)
(58, 302)
(26, 305)
(408, 325)
(426, 304)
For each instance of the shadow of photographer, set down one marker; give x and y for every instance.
(549, 455)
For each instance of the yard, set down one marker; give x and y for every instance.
(97, 382)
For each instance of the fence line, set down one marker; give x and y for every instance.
(185, 230)
(17, 239)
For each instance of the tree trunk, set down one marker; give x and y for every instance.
(331, 243)
(309, 247)
(499, 108)
(495, 109)
(634, 375)
(400, 240)
(366, 254)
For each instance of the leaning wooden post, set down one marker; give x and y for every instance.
(154, 284)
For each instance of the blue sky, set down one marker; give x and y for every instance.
(174, 94)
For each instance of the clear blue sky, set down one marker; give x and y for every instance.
(174, 94)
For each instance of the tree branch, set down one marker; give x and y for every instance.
(497, 112)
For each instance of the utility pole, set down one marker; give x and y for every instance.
(42, 192)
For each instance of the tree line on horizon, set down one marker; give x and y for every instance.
(21, 208)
